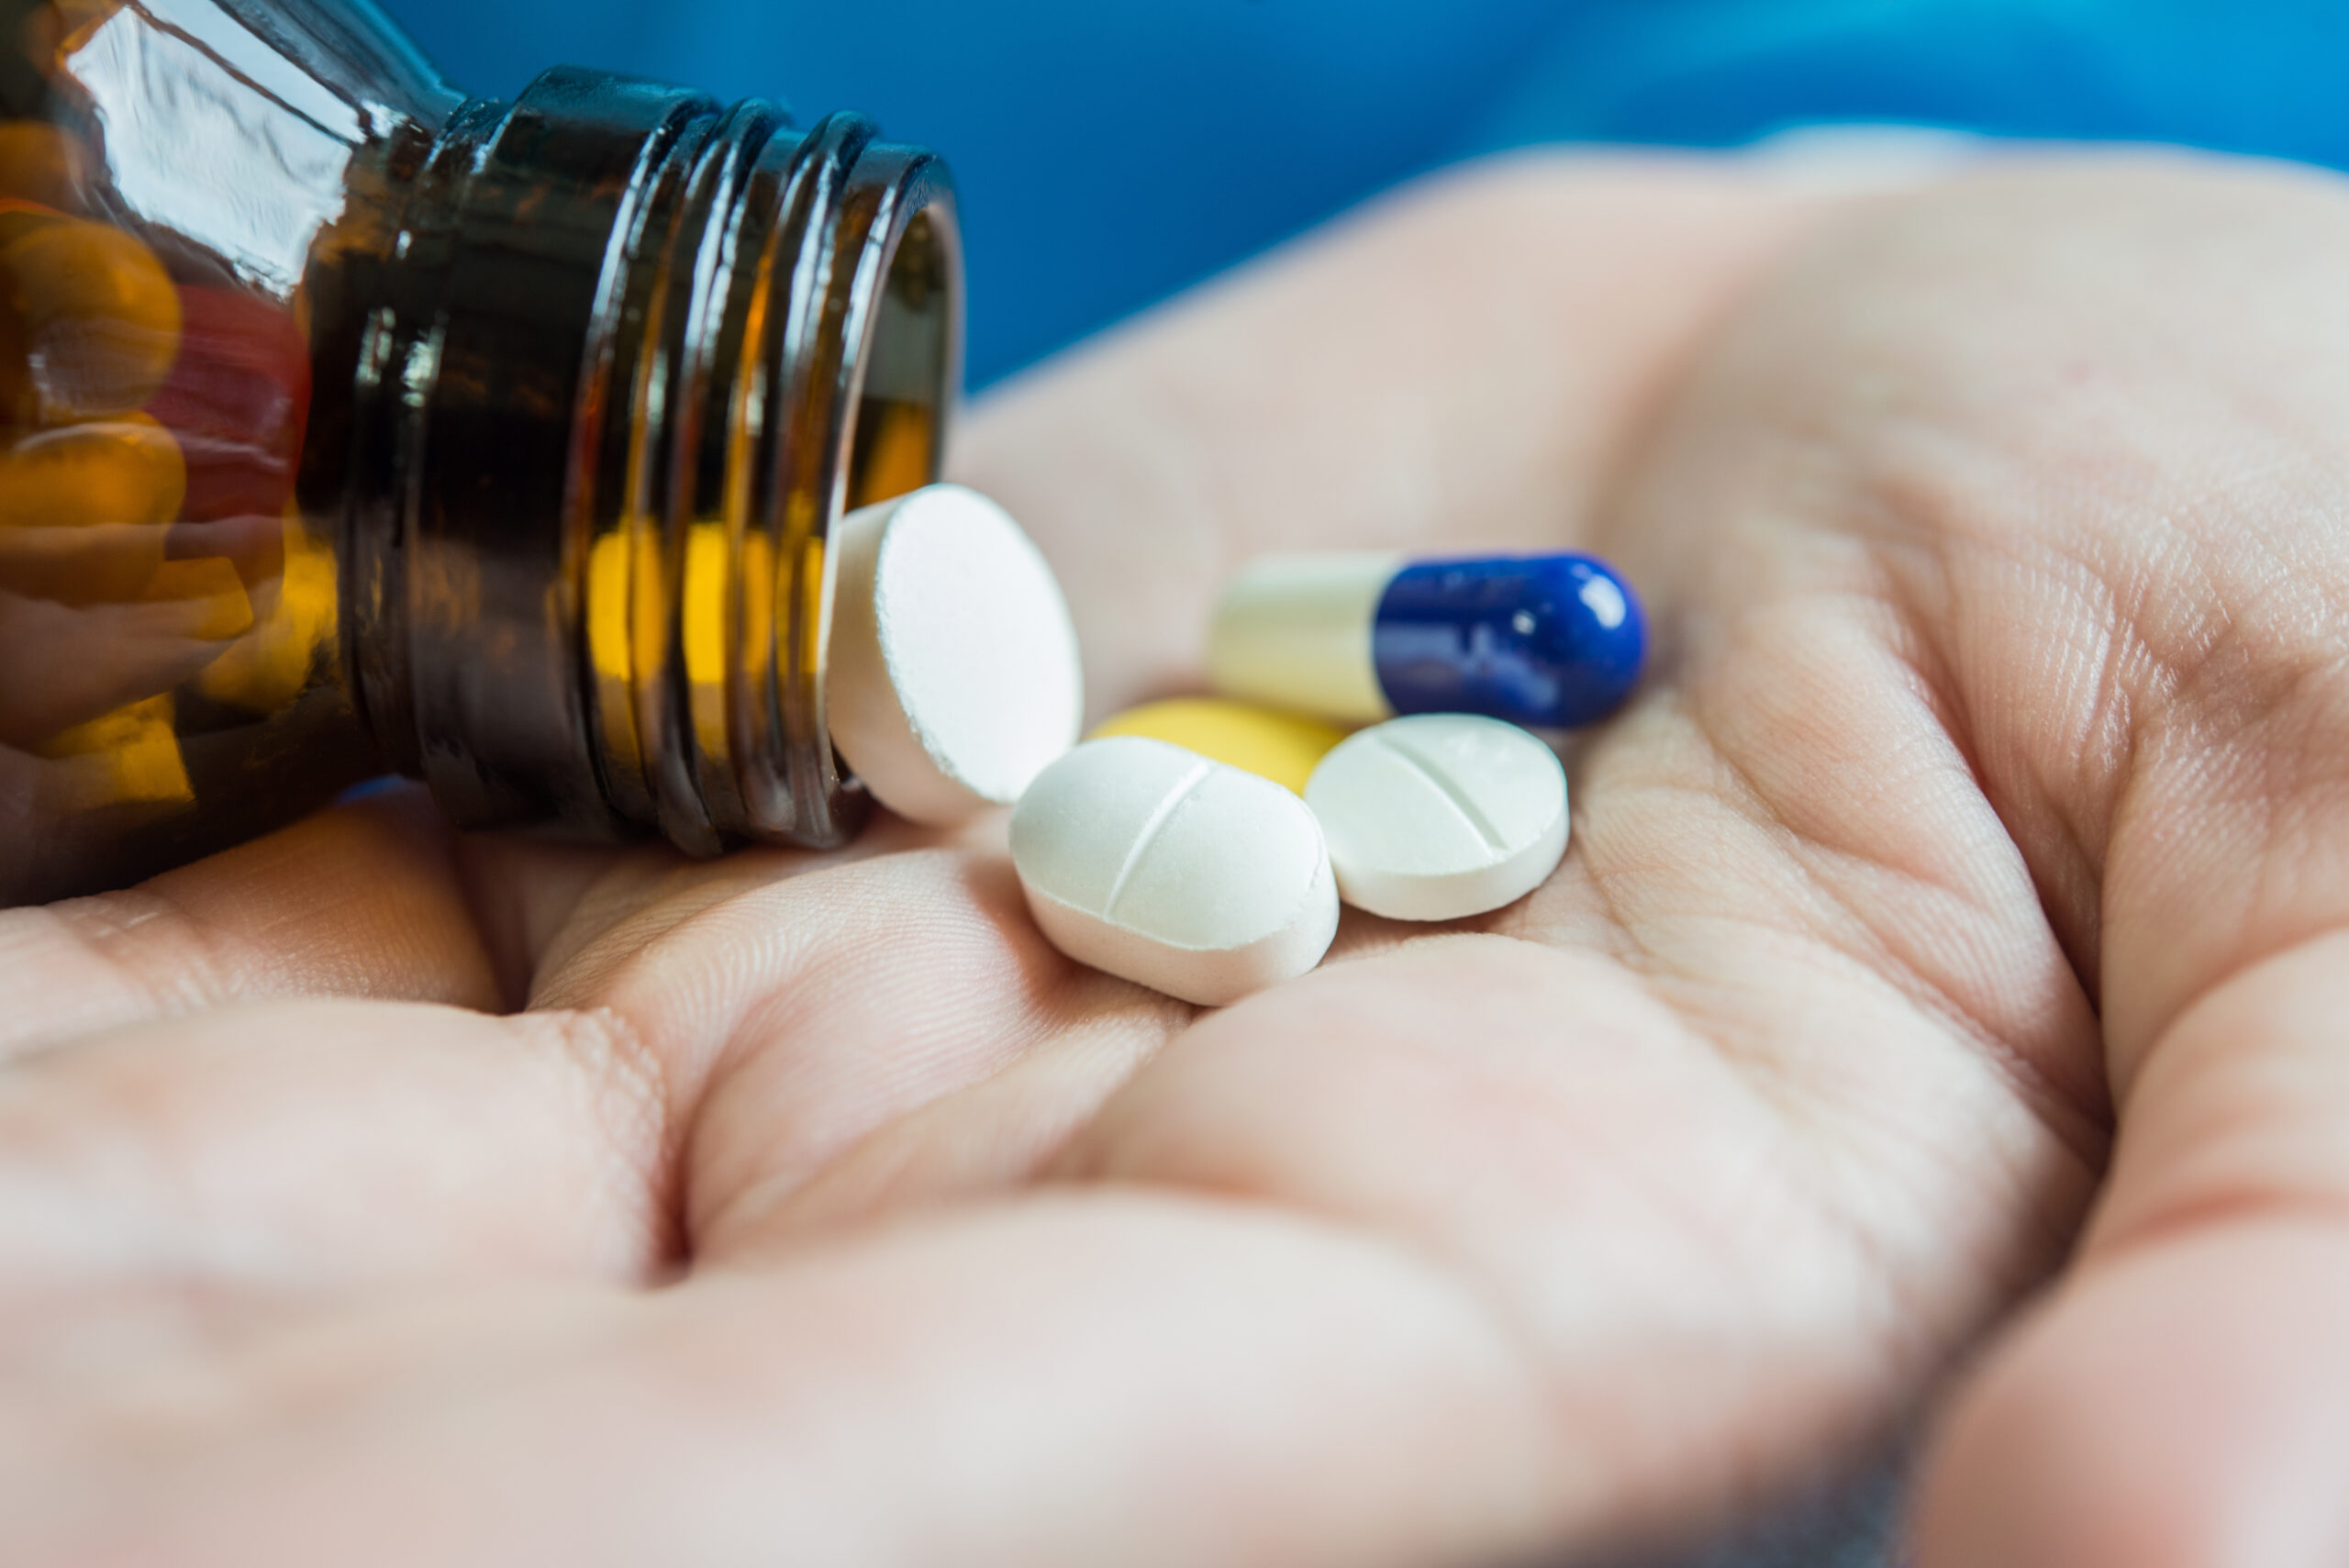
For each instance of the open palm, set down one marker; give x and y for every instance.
(1994, 773)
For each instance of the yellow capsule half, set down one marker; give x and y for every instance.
(1282, 747)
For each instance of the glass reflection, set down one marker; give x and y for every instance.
(175, 177)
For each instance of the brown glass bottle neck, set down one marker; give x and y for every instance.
(629, 356)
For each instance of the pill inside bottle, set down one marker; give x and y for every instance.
(1167, 868)
(89, 320)
(1548, 641)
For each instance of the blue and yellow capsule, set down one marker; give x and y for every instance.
(1547, 642)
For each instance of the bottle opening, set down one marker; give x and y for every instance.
(900, 427)
(676, 344)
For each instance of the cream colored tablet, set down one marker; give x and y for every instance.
(1161, 866)
(1440, 816)
(1298, 632)
(952, 676)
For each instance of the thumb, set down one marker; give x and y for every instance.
(2184, 1398)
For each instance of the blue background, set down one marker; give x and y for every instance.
(1109, 151)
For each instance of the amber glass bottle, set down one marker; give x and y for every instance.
(353, 425)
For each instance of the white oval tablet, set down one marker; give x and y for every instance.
(1161, 866)
(952, 676)
(1440, 816)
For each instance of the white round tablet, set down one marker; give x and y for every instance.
(952, 676)
(1160, 866)
(1440, 816)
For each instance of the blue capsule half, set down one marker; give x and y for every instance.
(1547, 642)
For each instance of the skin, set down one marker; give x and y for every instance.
(1940, 1009)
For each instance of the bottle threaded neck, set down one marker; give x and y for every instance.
(644, 352)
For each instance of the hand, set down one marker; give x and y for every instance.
(1994, 774)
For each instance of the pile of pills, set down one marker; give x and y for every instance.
(1202, 847)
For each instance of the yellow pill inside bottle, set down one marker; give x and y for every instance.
(89, 320)
(86, 510)
(114, 470)
(1282, 747)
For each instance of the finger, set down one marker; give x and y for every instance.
(2180, 775)
(959, 1391)
(1464, 365)
(2184, 1399)
(360, 900)
(170, 1182)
